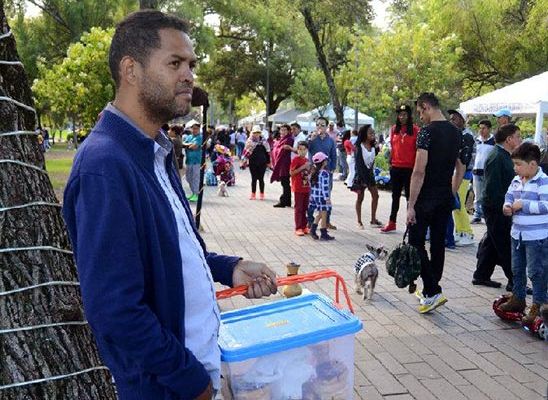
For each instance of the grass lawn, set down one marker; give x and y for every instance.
(58, 165)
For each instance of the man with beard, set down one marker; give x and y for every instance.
(146, 277)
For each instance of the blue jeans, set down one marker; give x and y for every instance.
(478, 184)
(530, 255)
(240, 149)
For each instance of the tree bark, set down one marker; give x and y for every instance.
(313, 30)
(40, 352)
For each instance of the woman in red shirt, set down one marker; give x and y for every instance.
(403, 147)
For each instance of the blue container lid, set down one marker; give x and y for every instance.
(282, 325)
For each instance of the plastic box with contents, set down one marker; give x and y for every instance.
(298, 348)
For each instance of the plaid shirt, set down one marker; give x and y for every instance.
(319, 193)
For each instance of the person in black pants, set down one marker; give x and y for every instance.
(256, 155)
(439, 153)
(494, 248)
(403, 140)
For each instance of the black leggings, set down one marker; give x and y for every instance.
(400, 178)
(257, 174)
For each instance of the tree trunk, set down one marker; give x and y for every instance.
(144, 4)
(322, 59)
(39, 351)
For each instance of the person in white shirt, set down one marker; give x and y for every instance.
(485, 143)
(298, 136)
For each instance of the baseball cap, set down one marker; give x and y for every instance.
(256, 128)
(503, 112)
(457, 111)
(319, 157)
(191, 123)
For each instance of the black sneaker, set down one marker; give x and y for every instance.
(278, 205)
(486, 282)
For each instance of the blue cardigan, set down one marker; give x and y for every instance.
(124, 237)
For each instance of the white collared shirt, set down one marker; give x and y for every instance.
(202, 317)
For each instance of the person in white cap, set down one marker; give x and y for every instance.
(193, 146)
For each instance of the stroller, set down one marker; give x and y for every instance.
(223, 166)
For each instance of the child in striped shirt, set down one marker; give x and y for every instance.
(527, 202)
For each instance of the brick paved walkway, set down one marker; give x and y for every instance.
(461, 351)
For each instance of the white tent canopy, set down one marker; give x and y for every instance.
(327, 112)
(285, 116)
(254, 119)
(529, 96)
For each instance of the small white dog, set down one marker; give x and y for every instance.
(367, 271)
(222, 191)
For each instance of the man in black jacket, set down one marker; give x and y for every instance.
(494, 248)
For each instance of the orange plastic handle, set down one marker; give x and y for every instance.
(290, 280)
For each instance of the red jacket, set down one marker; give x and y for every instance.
(404, 147)
(299, 182)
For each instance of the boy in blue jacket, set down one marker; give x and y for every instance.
(146, 276)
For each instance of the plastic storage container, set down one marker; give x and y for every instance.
(298, 348)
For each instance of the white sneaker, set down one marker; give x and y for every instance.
(428, 304)
(466, 239)
(458, 237)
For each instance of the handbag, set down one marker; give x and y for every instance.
(404, 264)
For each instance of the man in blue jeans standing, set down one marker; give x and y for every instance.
(321, 141)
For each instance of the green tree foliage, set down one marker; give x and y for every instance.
(396, 66)
(503, 40)
(254, 38)
(310, 89)
(247, 105)
(62, 22)
(330, 26)
(78, 87)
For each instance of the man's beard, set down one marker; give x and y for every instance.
(157, 105)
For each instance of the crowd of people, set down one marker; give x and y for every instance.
(146, 276)
(436, 167)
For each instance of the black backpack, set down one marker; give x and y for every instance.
(404, 264)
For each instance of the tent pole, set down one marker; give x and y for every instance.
(540, 137)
